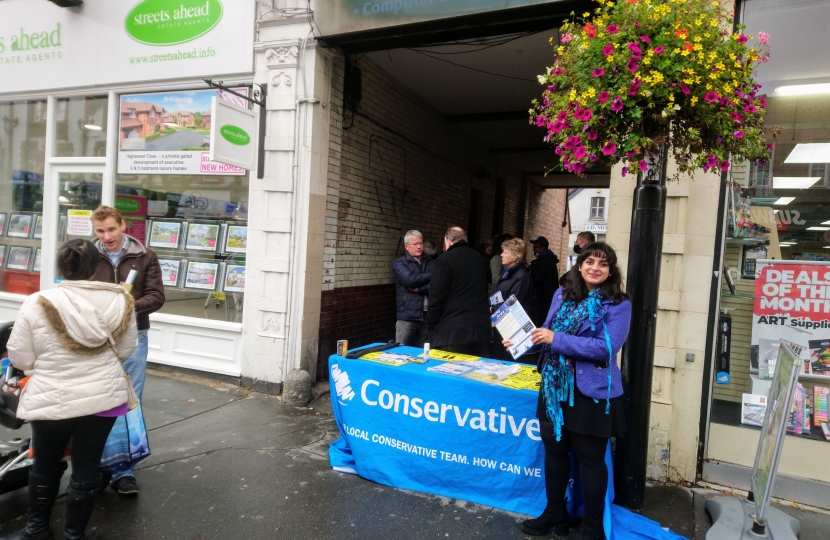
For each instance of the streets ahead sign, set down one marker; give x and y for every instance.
(344, 16)
(231, 134)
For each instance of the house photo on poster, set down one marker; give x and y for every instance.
(170, 271)
(234, 278)
(169, 133)
(202, 236)
(201, 275)
(18, 258)
(165, 234)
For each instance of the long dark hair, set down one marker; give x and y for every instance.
(611, 288)
(77, 260)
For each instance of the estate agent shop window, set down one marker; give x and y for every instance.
(192, 212)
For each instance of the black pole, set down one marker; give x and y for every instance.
(642, 283)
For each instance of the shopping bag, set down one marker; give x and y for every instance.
(127, 443)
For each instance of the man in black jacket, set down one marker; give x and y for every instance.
(544, 273)
(458, 317)
(412, 275)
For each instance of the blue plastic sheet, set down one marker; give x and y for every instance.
(127, 443)
(406, 427)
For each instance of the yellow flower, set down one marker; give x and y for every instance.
(550, 40)
(698, 47)
(646, 60)
(671, 97)
(697, 38)
(719, 65)
(586, 14)
(685, 53)
(676, 50)
(707, 35)
(610, 58)
(591, 92)
(560, 49)
(694, 100)
(715, 3)
(708, 86)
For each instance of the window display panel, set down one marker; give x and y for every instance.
(81, 126)
(780, 210)
(197, 225)
(22, 160)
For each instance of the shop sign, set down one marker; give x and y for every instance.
(343, 16)
(156, 22)
(171, 133)
(231, 141)
(792, 302)
(597, 228)
(121, 41)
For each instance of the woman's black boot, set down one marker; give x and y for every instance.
(42, 493)
(590, 529)
(554, 517)
(79, 504)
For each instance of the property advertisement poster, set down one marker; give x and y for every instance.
(134, 210)
(792, 302)
(169, 133)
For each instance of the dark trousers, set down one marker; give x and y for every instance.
(88, 434)
(591, 453)
(476, 348)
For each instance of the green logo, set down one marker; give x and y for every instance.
(235, 135)
(156, 22)
(127, 205)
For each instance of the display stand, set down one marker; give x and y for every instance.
(753, 518)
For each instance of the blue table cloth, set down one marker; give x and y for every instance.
(406, 427)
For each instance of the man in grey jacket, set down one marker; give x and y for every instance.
(412, 275)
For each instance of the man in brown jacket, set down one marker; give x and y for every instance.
(121, 254)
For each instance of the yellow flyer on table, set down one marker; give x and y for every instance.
(390, 359)
(526, 379)
(445, 356)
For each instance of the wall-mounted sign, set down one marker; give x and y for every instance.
(343, 16)
(170, 133)
(232, 134)
(596, 228)
(121, 41)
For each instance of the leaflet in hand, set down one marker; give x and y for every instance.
(513, 323)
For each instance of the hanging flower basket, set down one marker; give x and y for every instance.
(643, 74)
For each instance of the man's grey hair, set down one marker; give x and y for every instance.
(455, 234)
(407, 238)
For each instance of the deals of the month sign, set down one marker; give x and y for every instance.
(792, 302)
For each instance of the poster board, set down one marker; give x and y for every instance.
(792, 302)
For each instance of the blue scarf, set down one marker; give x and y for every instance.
(558, 371)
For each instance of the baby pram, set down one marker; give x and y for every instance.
(15, 460)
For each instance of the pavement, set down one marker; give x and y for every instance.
(232, 464)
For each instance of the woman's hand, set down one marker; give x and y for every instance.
(506, 343)
(541, 335)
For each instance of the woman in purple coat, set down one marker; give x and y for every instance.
(580, 402)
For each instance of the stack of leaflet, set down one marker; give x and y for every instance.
(487, 371)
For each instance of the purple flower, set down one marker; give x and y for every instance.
(617, 105)
(659, 49)
(557, 71)
(632, 90)
(601, 121)
(685, 89)
(625, 171)
(643, 165)
(541, 121)
(736, 117)
(724, 101)
(592, 135)
(724, 165)
(631, 154)
(632, 65)
(592, 157)
(711, 97)
(738, 134)
(608, 50)
(611, 29)
(562, 116)
(571, 105)
(751, 109)
(599, 72)
(580, 152)
(719, 139)
(602, 97)
(551, 88)
(558, 150)
(570, 144)
(742, 39)
(609, 148)
(645, 39)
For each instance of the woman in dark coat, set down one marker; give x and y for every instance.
(580, 402)
(514, 280)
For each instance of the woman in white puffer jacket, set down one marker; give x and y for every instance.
(72, 339)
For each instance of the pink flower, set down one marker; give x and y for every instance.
(608, 50)
(763, 37)
(602, 97)
(741, 39)
(625, 171)
(557, 126)
(711, 97)
(637, 24)
(645, 39)
(632, 65)
(611, 29)
(736, 117)
(632, 90)
(558, 150)
(685, 89)
(557, 71)
(617, 105)
(571, 143)
(592, 135)
(562, 116)
(599, 72)
(586, 115)
(566, 37)
(609, 148)
(659, 49)
(751, 109)
(643, 165)
(762, 101)
(738, 134)
(724, 165)
(633, 47)
(541, 121)
(580, 152)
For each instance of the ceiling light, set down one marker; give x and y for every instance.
(802, 89)
(784, 200)
(810, 153)
(826, 222)
(818, 228)
(93, 127)
(794, 182)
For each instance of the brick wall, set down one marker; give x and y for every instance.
(395, 164)
(545, 214)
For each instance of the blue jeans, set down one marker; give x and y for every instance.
(136, 368)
